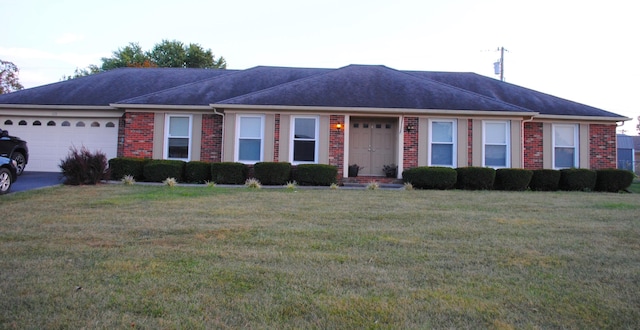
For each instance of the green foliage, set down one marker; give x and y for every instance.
(513, 179)
(131, 55)
(315, 174)
(545, 180)
(577, 179)
(272, 173)
(475, 178)
(84, 167)
(613, 180)
(229, 173)
(157, 170)
(121, 166)
(197, 172)
(9, 77)
(434, 177)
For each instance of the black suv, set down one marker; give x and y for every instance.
(14, 148)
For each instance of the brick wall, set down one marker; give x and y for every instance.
(602, 146)
(138, 134)
(469, 143)
(533, 146)
(276, 139)
(211, 146)
(410, 155)
(336, 143)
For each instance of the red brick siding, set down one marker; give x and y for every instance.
(211, 145)
(336, 143)
(410, 152)
(469, 143)
(276, 139)
(602, 146)
(138, 135)
(533, 146)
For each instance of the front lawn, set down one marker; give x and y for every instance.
(116, 256)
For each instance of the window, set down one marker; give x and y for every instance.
(305, 140)
(496, 144)
(95, 124)
(66, 123)
(565, 146)
(177, 137)
(37, 123)
(250, 136)
(80, 124)
(51, 123)
(22, 123)
(442, 142)
(110, 124)
(8, 122)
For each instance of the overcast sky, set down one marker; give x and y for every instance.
(582, 50)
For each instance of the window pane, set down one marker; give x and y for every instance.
(495, 155)
(249, 149)
(442, 154)
(178, 148)
(564, 136)
(565, 157)
(305, 128)
(250, 127)
(442, 132)
(179, 126)
(495, 133)
(304, 151)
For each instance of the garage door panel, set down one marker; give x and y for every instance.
(48, 145)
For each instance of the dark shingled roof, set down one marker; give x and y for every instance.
(520, 96)
(365, 86)
(372, 87)
(109, 87)
(225, 87)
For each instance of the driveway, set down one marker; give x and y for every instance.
(34, 180)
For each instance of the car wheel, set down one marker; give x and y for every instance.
(5, 181)
(22, 162)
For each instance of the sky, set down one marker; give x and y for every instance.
(581, 50)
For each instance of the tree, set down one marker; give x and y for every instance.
(128, 56)
(9, 77)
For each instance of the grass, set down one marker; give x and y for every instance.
(116, 256)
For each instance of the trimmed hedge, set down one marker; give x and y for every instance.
(315, 174)
(197, 172)
(229, 173)
(577, 179)
(157, 170)
(272, 173)
(121, 166)
(613, 180)
(512, 179)
(426, 177)
(475, 178)
(545, 180)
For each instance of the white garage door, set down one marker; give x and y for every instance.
(49, 139)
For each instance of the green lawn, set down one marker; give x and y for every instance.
(116, 256)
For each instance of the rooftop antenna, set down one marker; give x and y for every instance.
(498, 67)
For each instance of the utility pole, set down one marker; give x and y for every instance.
(498, 67)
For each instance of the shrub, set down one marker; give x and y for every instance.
(373, 185)
(229, 173)
(315, 174)
(545, 180)
(84, 167)
(253, 183)
(197, 172)
(272, 173)
(613, 180)
(157, 170)
(170, 182)
(513, 179)
(431, 177)
(121, 166)
(577, 179)
(475, 178)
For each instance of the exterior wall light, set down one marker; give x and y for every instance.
(338, 126)
(409, 128)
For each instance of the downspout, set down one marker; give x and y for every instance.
(522, 138)
(215, 112)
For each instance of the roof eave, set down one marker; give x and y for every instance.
(159, 106)
(590, 118)
(406, 111)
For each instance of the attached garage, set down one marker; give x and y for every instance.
(51, 137)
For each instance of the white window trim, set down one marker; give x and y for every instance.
(507, 132)
(292, 138)
(238, 137)
(576, 145)
(454, 125)
(167, 121)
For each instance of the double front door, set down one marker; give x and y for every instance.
(372, 144)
